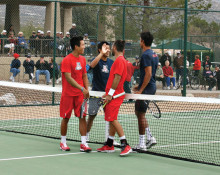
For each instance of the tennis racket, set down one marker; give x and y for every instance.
(153, 108)
(87, 108)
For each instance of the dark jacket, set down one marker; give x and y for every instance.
(42, 66)
(29, 66)
(207, 73)
(73, 32)
(15, 63)
(164, 58)
(206, 63)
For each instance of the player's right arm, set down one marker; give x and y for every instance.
(73, 83)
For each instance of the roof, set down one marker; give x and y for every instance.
(178, 44)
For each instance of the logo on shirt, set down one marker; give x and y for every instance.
(105, 69)
(78, 66)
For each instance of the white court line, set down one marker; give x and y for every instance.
(43, 156)
(187, 144)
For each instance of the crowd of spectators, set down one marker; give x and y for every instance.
(39, 42)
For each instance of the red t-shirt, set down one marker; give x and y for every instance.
(130, 70)
(118, 67)
(197, 64)
(77, 67)
(167, 71)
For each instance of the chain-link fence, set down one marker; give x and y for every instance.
(29, 29)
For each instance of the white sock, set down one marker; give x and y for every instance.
(83, 140)
(111, 137)
(148, 133)
(141, 139)
(123, 137)
(63, 140)
(87, 135)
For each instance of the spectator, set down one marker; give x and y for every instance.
(59, 43)
(208, 75)
(32, 41)
(168, 73)
(38, 43)
(136, 74)
(42, 67)
(67, 47)
(73, 31)
(22, 42)
(12, 42)
(159, 75)
(87, 44)
(10, 30)
(48, 42)
(130, 72)
(206, 62)
(217, 76)
(29, 68)
(53, 65)
(89, 72)
(197, 66)
(178, 65)
(15, 64)
(3, 40)
(166, 56)
(61, 35)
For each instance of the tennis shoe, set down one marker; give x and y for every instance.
(64, 148)
(139, 148)
(174, 88)
(125, 150)
(85, 148)
(106, 149)
(168, 87)
(151, 142)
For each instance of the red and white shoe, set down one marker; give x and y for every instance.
(64, 148)
(85, 148)
(126, 150)
(106, 149)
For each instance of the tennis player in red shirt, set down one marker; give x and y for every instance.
(74, 90)
(114, 86)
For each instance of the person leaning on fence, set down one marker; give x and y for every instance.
(42, 67)
(3, 40)
(12, 41)
(53, 66)
(48, 42)
(168, 74)
(160, 76)
(15, 64)
(217, 76)
(32, 41)
(209, 77)
(178, 65)
(197, 65)
(29, 68)
(66, 40)
(73, 31)
(22, 42)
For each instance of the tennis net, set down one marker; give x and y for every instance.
(188, 128)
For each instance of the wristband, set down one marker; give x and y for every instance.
(111, 92)
(82, 89)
